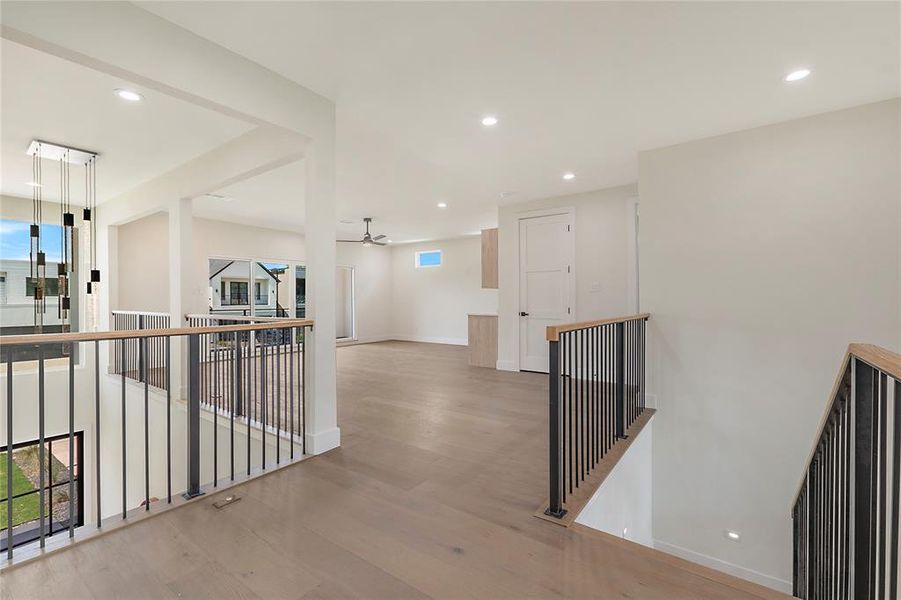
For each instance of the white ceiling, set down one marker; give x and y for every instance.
(273, 199)
(576, 86)
(49, 98)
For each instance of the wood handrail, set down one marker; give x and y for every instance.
(885, 360)
(95, 336)
(877, 357)
(554, 331)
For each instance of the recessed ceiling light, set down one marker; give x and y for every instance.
(568, 176)
(733, 535)
(129, 95)
(442, 205)
(346, 222)
(34, 184)
(489, 121)
(797, 75)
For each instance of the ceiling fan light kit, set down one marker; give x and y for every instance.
(368, 240)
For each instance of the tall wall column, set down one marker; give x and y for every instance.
(321, 415)
(181, 268)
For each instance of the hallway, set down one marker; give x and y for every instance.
(431, 495)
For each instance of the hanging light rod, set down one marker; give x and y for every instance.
(52, 151)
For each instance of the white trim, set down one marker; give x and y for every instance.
(529, 214)
(506, 365)
(317, 443)
(726, 567)
(431, 340)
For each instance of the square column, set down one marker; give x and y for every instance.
(321, 414)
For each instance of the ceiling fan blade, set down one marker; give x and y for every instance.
(350, 241)
(378, 237)
(380, 243)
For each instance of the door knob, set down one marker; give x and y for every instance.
(523, 314)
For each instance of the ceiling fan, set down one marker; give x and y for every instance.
(368, 240)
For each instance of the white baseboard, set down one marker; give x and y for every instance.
(367, 340)
(431, 340)
(724, 566)
(505, 365)
(323, 441)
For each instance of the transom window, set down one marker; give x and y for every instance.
(428, 258)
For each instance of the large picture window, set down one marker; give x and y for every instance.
(26, 493)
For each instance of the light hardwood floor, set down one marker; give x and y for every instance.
(432, 494)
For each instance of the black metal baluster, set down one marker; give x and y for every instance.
(143, 364)
(292, 333)
(236, 389)
(218, 393)
(41, 457)
(263, 392)
(247, 399)
(303, 397)
(9, 454)
(880, 453)
(571, 409)
(278, 391)
(555, 504)
(896, 490)
(168, 350)
(863, 382)
(192, 429)
(72, 350)
(564, 349)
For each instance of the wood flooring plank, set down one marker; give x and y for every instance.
(430, 496)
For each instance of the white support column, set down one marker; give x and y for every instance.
(321, 415)
(181, 269)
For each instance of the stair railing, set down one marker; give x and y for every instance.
(845, 512)
(596, 375)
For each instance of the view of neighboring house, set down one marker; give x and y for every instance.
(450, 300)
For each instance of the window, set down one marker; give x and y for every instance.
(428, 258)
(17, 288)
(26, 499)
(237, 293)
(258, 293)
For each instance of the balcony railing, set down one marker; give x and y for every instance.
(144, 442)
(129, 357)
(271, 362)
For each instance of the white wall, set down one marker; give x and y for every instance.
(432, 304)
(372, 289)
(763, 254)
(143, 272)
(622, 505)
(605, 241)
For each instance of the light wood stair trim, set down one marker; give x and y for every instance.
(885, 360)
(553, 331)
(577, 501)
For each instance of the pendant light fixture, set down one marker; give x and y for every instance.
(36, 258)
(68, 264)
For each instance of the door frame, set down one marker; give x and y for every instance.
(570, 212)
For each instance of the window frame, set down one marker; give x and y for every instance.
(27, 536)
(417, 260)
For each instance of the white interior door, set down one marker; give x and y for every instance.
(546, 250)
